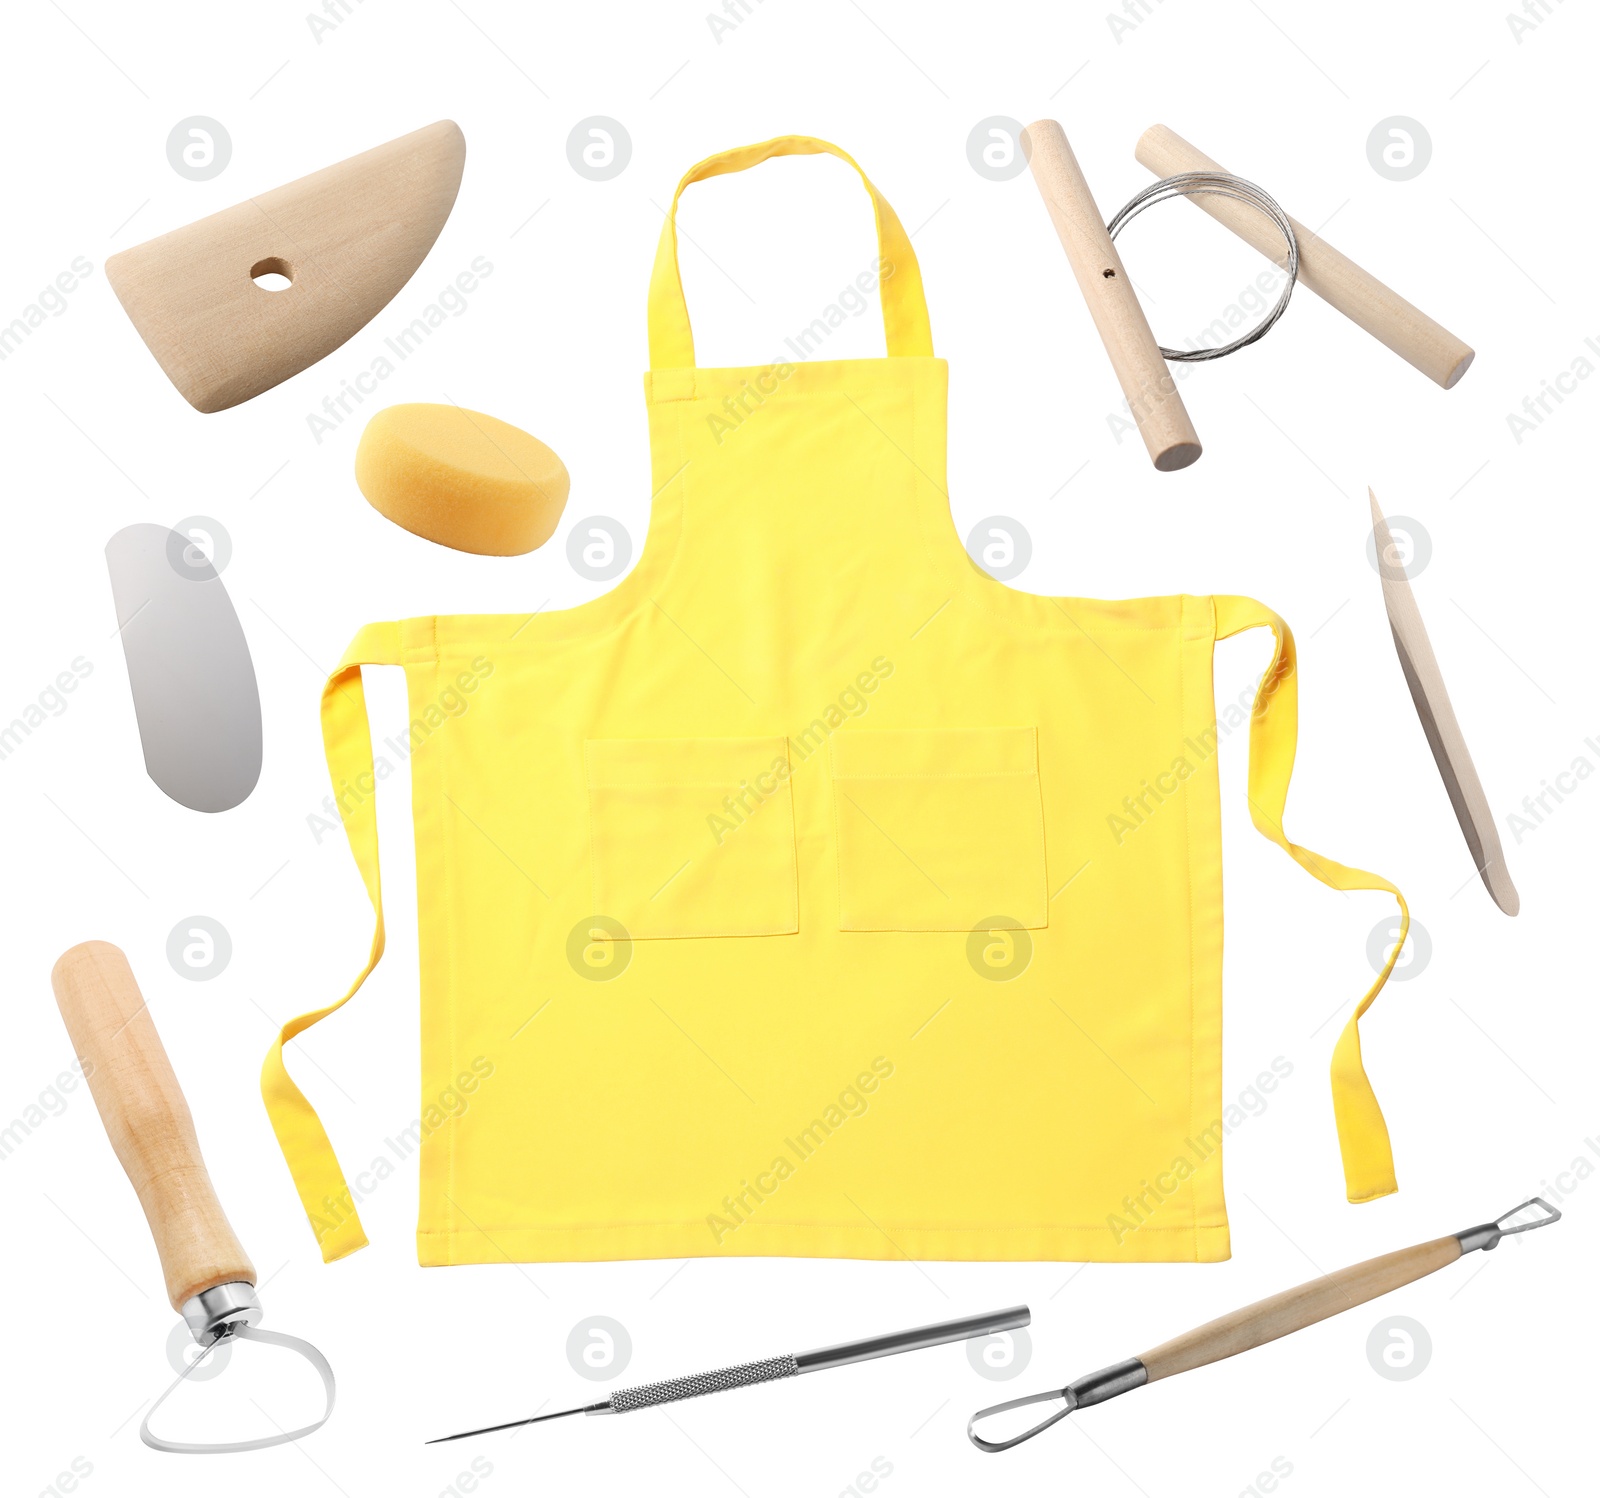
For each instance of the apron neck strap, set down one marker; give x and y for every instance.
(905, 311)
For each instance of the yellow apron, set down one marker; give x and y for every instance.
(811, 892)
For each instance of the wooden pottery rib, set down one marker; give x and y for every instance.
(348, 238)
(1439, 723)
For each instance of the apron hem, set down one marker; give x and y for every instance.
(753, 1239)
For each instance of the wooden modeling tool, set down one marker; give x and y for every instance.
(1439, 723)
(1339, 281)
(1265, 1321)
(345, 239)
(1147, 383)
(210, 1280)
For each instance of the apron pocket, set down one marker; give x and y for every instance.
(693, 837)
(938, 829)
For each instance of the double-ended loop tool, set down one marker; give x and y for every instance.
(1265, 1321)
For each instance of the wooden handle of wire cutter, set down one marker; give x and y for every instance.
(145, 1114)
(1151, 391)
(1339, 281)
(1305, 1305)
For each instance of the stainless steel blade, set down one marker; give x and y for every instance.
(194, 687)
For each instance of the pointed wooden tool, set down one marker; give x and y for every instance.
(1439, 719)
(346, 238)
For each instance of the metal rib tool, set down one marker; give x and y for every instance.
(742, 1375)
(1265, 1321)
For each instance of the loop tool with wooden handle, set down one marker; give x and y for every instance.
(210, 1280)
(1265, 1321)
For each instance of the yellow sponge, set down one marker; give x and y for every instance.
(461, 478)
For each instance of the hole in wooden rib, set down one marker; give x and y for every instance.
(1108, 274)
(272, 274)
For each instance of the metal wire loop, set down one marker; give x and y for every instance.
(1222, 185)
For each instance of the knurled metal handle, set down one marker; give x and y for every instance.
(671, 1389)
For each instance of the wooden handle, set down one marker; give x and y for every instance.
(1339, 281)
(1151, 391)
(148, 1120)
(1305, 1305)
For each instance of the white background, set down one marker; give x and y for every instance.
(1484, 1060)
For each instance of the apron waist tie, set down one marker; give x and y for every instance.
(348, 744)
(1363, 1135)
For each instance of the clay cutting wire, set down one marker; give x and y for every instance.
(1221, 185)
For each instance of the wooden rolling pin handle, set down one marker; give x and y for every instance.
(1289, 1311)
(149, 1123)
(1338, 280)
(1151, 391)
